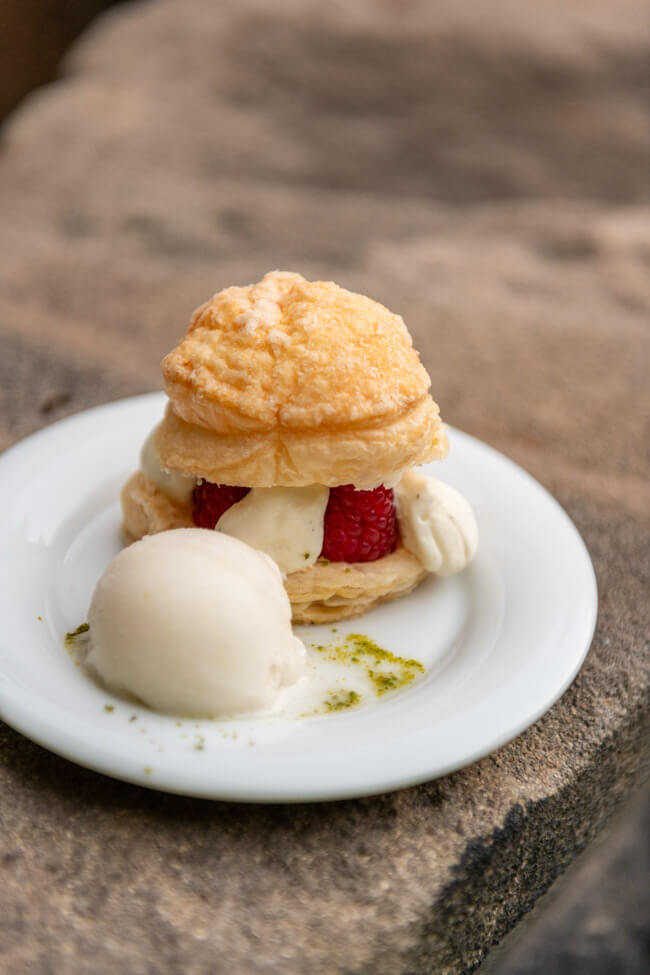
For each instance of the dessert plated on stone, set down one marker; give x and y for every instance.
(296, 413)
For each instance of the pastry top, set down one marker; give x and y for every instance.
(292, 353)
(294, 382)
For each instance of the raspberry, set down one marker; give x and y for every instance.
(211, 500)
(360, 526)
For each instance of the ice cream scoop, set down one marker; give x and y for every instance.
(194, 623)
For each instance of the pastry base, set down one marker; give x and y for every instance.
(323, 593)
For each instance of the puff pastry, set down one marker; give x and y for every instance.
(291, 382)
(287, 383)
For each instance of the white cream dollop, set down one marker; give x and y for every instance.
(288, 523)
(436, 523)
(175, 485)
(194, 623)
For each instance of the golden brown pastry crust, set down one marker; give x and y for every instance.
(147, 511)
(338, 590)
(291, 382)
(364, 457)
(322, 593)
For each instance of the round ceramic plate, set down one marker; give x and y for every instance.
(500, 642)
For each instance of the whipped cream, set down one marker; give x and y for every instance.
(436, 523)
(288, 523)
(175, 485)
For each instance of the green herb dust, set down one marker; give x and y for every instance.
(386, 671)
(70, 638)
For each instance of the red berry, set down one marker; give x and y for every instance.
(360, 526)
(211, 500)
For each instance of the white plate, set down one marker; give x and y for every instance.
(501, 641)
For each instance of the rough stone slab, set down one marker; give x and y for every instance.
(481, 171)
(594, 920)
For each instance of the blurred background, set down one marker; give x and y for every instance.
(407, 132)
(34, 35)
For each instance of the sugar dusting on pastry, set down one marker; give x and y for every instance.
(264, 306)
(276, 337)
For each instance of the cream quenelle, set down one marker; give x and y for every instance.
(286, 523)
(194, 623)
(436, 523)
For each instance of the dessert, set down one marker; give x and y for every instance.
(194, 623)
(295, 410)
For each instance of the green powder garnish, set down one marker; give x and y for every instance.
(69, 641)
(338, 702)
(363, 644)
(82, 628)
(385, 670)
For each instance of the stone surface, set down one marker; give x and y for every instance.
(594, 921)
(483, 172)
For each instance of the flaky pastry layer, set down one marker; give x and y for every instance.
(146, 510)
(365, 457)
(339, 590)
(322, 593)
